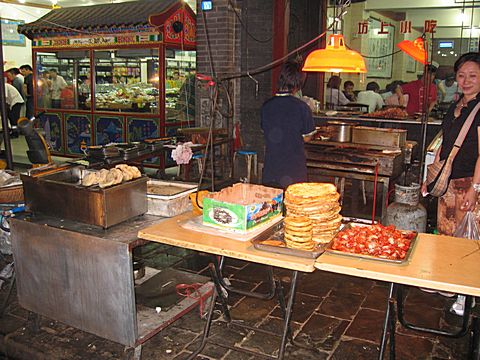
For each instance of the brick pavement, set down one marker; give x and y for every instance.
(338, 317)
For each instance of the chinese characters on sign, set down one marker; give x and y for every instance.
(405, 27)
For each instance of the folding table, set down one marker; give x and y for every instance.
(437, 262)
(172, 233)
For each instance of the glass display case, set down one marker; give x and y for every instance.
(113, 83)
(98, 96)
(62, 79)
(180, 85)
(126, 80)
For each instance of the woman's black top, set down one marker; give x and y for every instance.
(285, 119)
(464, 163)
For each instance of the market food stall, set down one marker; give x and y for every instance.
(75, 252)
(119, 72)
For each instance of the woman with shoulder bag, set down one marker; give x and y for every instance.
(465, 170)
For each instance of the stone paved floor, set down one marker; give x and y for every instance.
(335, 317)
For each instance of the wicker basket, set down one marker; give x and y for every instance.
(11, 194)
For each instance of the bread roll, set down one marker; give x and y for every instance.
(118, 176)
(109, 180)
(102, 175)
(136, 172)
(90, 179)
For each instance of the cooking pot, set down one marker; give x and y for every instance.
(341, 131)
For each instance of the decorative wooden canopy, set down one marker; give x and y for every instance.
(173, 18)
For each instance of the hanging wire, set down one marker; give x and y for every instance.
(245, 26)
(343, 6)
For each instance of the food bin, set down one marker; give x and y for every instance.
(380, 137)
(169, 198)
(60, 194)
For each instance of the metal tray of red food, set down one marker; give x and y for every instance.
(371, 257)
(275, 232)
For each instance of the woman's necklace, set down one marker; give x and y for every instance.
(462, 104)
(458, 108)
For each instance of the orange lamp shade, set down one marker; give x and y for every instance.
(415, 49)
(335, 58)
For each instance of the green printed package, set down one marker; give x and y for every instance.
(241, 207)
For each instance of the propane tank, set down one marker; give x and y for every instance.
(406, 213)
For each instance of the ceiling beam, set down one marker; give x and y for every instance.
(26, 3)
(417, 5)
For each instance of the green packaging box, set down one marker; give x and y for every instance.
(241, 207)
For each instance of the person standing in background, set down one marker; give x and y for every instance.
(43, 91)
(335, 97)
(397, 97)
(348, 91)
(371, 97)
(287, 123)
(27, 73)
(16, 79)
(415, 91)
(57, 84)
(15, 102)
(449, 90)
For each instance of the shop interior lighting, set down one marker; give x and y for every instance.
(335, 58)
(414, 49)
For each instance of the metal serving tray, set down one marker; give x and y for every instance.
(276, 233)
(370, 257)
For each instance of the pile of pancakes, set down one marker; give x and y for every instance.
(299, 233)
(319, 203)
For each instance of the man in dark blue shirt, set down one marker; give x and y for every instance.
(287, 123)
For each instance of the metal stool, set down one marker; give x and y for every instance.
(250, 156)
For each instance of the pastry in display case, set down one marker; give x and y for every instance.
(139, 97)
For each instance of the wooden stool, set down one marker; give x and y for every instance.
(250, 156)
(198, 157)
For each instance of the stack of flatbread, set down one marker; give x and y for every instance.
(105, 178)
(318, 202)
(298, 233)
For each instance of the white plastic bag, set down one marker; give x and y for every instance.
(468, 227)
(182, 153)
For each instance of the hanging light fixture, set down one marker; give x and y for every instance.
(415, 49)
(335, 58)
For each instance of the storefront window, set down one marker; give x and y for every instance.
(126, 80)
(180, 85)
(375, 28)
(62, 79)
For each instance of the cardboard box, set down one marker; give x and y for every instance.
(241, 207)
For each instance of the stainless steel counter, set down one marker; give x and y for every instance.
(82, 275)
